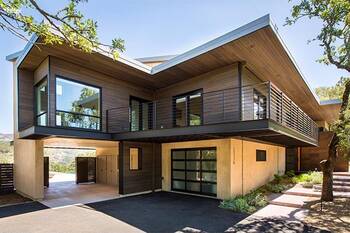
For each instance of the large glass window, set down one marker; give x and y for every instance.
(77, 105)
(188, 109)
(41, 100)
(140, 114)
(259, 105)
(194, 170)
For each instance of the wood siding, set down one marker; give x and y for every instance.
(310, 157)
(25, 99)
(115, 93)
(145, 179)
(216, 80)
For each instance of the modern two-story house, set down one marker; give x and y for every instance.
(216, 120)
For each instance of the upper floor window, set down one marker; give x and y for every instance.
(259, 102)
(140, 114)
(188, 109)
(77, 105)
(41, 102)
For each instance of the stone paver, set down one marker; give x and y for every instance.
(290, 200)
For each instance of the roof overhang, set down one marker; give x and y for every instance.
(257, 44)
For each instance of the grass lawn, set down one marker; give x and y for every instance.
(335, 216)
(12, 198)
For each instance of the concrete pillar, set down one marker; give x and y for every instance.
(29, 168)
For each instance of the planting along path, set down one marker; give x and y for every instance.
(289, 211)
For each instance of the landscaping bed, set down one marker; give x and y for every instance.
(258, 198)
(12, 198)
(335, 216)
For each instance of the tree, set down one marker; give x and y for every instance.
(334, 38)
(66, 25)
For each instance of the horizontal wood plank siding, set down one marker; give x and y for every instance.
(115, 93)
(25, 99)
(149, 176)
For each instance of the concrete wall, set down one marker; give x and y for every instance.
(29, 168)
(238, 172)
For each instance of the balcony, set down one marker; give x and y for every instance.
(260, 111)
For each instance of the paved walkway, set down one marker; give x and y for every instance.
(63, 191)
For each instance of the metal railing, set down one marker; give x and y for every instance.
(251, 102)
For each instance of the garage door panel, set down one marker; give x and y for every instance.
(194, 170)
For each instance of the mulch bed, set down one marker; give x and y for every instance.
(12, 198)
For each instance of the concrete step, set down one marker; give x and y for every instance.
(341, 178)
(341, 183)
(341, 173)
(293, 201)
(302, 193)
(335, 188)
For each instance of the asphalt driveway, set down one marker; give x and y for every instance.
(158, 212)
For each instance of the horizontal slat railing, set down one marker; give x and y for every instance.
(251, 102)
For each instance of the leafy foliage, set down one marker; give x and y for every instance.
(310, 177)
(67, 25)
(335, 32)
(334, 92)
(6, 152)
(246, 204)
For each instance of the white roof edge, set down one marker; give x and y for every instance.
(330, 102)
(13, 56)
(224, 39)
(155, 58)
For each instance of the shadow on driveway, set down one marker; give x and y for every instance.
(170, 212)
(12, 210)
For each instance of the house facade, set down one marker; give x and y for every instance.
(217, 120)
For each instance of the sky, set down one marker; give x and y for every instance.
(166, 27)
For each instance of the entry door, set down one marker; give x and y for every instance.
(194, 171)
(46, 172)
(85, 169)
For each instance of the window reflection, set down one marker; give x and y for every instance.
(77, 105)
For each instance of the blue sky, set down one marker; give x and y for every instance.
(162, 27)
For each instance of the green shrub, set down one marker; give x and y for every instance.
(246, 204)
(290, 173)
(310, 177)
(275, 188)
(277, 178)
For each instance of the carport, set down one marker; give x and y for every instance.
(97, 179)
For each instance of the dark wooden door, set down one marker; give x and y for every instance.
(85, 169)
(292, 159)
(46, 172)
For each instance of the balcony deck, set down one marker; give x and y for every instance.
(224, 113)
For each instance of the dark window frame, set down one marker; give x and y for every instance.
(150, 112)
(139, 158)
(261, 155)
(74, 113)
(200, 170)
(261, 111)
(36, 115)
(187, 96)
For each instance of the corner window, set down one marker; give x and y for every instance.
(135, 158)
(77, 105)
(188, 109)
(259, 102)
(41, 102)
(260, 155)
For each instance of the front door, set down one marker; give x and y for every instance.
(85, 169)
(194, 170)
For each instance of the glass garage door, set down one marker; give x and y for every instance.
(194, 170)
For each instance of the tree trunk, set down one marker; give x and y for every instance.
(327, 167)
